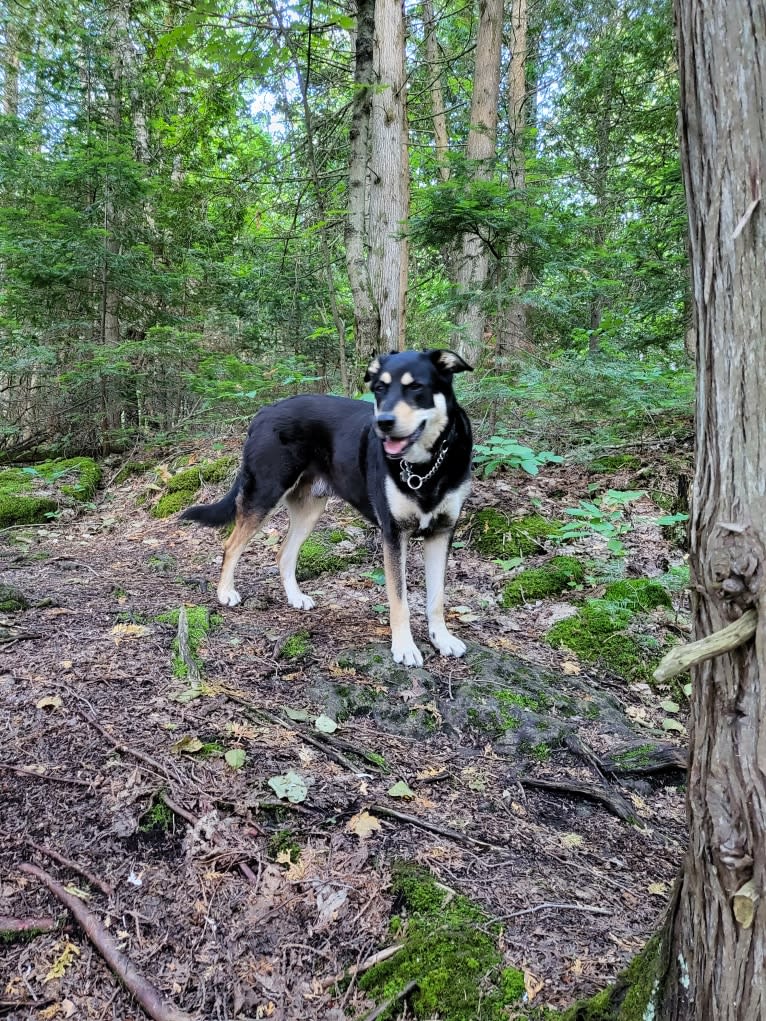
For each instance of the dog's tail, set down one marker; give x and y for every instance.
(216, 514)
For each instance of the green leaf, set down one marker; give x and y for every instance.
(290, 786)
(235, 757)
(670, 706)
(401, 790)
(298, 715)
(325, 725)
(669, 724)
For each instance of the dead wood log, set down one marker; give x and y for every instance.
(134, 981)
(10, 925)
(642, 758)
(615, 802)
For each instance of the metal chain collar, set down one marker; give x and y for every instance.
(416, 481)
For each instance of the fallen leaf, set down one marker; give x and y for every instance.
(63, 962)
(363, 825)
(189, 745)
(50, 702)
(235, 757)
(298, 715)
(400, 790)
(657, 889)
(289, 785)
(570, 668)
(120, 631)
(571, 840)
(532, 985)
(325, 725)
(329, 904)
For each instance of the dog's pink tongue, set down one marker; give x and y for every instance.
(394, 447)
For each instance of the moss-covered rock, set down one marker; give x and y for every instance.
(327, 551)
(497, 535)
(181, 489)
(451, 950)
(12, 599)
(614, 463)
(34, 493)
(557, 575)
(600, 632)
(296, 646)
(637, 594)
(132, 468)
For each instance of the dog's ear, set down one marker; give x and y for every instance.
(448, 361)
(372, 369)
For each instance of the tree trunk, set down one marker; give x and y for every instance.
(10, 62)
(472, 262)
(438, 114)
(389, 176)
(716, 966)
(366, 317)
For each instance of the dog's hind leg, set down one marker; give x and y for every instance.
(403, 647)
(246, 524)
(435, 552)
(304, 510)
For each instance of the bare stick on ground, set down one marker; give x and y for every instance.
(105, 888)
(9, 924)
(139, 986)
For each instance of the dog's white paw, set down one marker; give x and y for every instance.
(229, 597)
(446, 643)
(406, 652)
(300, 601)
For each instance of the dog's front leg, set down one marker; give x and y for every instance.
(435, 551)
(403, 647)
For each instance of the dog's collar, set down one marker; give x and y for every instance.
(415, 481)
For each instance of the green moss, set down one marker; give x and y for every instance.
(614, 463)
(296, 646)
(172, 503)
(558, 575)
(599, 633)
(200, 622)
(131, 468)
(637, 594)
(450, 948)
(676, 579)
(497, 535)
(21, 503)
(632, 996)
(12, 599)
(633, 758)
(158, 817)
(284, 842)
(318, 554)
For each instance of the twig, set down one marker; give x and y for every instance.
(44, 776)
(10, 924)
(547, 906)
(124, 748)
(143, 991)
(359, 969)
(187, 816)
(184, 649)
(50, 853)
(682, 657)
(443, 831)
(386, 1006)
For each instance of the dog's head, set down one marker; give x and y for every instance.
(413, 399)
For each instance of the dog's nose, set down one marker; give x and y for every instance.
(385, 422)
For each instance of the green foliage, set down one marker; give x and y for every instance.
(200, 622)
(637, 594)
(34, 493)
(319, 553)
(557, 575)
(496, 535)
(296, 646)
(602, 632)
(606, 520)
(631, 997)
(450, 947)
(503, 452)
(610, 463)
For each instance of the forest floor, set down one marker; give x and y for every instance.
(235, 903)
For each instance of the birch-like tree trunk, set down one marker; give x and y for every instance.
(472, 259)
(715, 941)
(389, 176)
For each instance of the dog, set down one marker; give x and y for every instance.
(403, 462)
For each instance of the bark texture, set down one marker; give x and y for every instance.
(472, 262)
(716, 965)
(389, 176)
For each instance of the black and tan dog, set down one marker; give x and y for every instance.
(404, 465)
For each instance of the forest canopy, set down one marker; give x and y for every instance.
(177, 186)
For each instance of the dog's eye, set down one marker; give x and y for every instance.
(414, 388)
(379, 388)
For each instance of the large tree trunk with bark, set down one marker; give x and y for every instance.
(389, 176)
(716, 936)
(472, 259)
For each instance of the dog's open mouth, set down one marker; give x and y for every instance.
(397, 446)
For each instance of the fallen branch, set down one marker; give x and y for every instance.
(184, 649)
(124, 748)
(552, 906)
(682, 657)
(21, 771)
(443, 831)
(68, 863)
(144, 992)
(360, 969)
(388, 1004)
(9, 924)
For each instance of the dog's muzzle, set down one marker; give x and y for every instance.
(395, 446)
